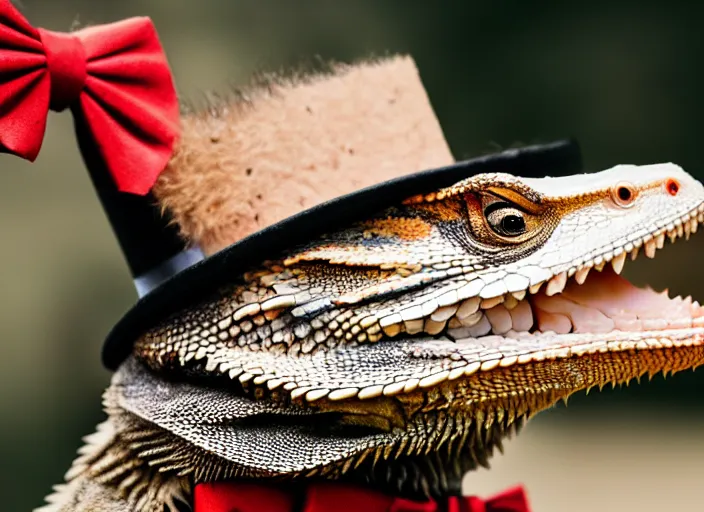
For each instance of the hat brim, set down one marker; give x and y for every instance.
(195, 283)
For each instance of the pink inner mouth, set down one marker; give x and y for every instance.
(606, 302)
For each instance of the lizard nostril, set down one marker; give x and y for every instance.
(672, 186)
(623, 194)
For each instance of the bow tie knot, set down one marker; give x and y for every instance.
(67, 67)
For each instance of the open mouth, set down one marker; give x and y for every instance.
(605, 302)
(592, 309)
(593, 299)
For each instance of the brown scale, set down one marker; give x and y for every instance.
(399, 227)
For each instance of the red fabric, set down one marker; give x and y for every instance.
(242, 497)
(115, 76)
(331, 497)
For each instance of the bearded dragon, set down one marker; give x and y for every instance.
(400, 350)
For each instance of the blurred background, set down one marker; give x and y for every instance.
(624, 77)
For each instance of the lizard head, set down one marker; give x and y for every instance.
(403, 348)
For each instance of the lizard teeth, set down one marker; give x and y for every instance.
(519, 295)
(650, 243)
(490, 303)
(472, 319)
(522, 317)
(581, 275)
(433, 328)
(454, 323)
(500, 319)
(468, 307)
(443, 314)
(618, 262)
(535, 288)
(413, 326)
(510, 301)
(556, 284)
(481, 328)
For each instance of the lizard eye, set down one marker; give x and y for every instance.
(497, 221)
(505, 220)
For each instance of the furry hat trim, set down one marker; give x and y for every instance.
(293, 143)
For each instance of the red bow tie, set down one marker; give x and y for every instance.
(247, 497)
(115, 77)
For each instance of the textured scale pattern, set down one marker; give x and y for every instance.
(401, 350)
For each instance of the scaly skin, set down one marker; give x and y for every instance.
(401, 350)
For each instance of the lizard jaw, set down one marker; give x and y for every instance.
(606, 329)
(463, 309)
(588, 311)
